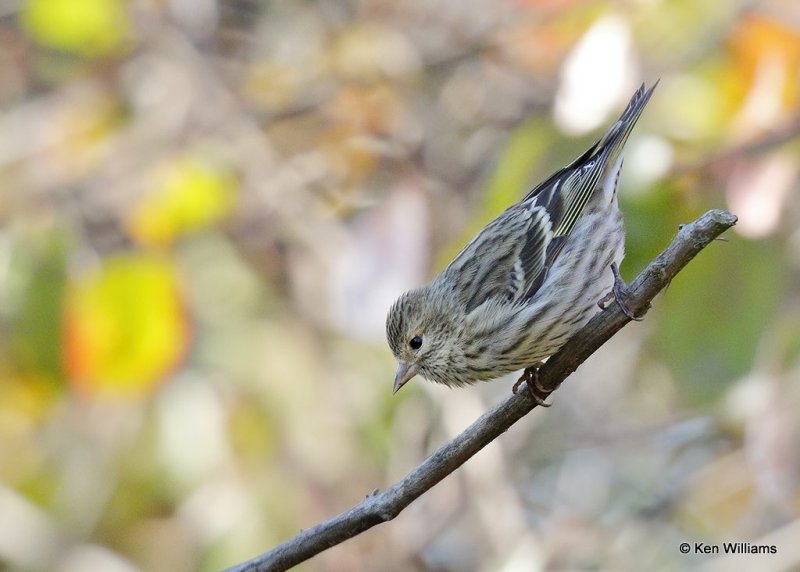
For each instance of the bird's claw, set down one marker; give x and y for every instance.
(534, 390)
(620, 293)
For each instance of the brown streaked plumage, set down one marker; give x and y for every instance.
(528, 281)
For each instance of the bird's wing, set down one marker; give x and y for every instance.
(503, 259)
(509, 259)
(566, 193)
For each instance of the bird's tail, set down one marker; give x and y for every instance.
(567, 192)
(617, 135)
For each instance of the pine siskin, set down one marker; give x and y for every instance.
(527, 282)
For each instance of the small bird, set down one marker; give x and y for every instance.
(527, 281)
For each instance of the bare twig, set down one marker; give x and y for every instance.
(786, 133)
(384, 506)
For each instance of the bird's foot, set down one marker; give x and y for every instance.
(621, 294)
(534, 390)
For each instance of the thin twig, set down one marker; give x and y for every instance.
(788, 132)
(384, 506)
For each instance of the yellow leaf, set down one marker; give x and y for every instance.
(125, 326)
(84, 27)
(188, 195)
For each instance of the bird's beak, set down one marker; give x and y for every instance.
(405, 371)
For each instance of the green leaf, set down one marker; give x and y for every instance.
(37, 321)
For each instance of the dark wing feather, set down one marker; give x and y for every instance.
(614, 139)
(509, 259)
(503, 259)
(566, 193)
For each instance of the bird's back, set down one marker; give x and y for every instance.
(554, 250)
(530, 279)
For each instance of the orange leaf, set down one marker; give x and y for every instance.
(758, 41)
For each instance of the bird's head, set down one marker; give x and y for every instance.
(420, 332)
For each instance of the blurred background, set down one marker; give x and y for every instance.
(206, 209)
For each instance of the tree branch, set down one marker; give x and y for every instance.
(775, 138)
(381, 507)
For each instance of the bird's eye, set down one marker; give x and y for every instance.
(415, 342)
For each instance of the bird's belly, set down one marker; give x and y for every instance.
(576, 283)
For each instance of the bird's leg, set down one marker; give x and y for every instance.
(620, 293)
(534, 377)
(530, 376)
